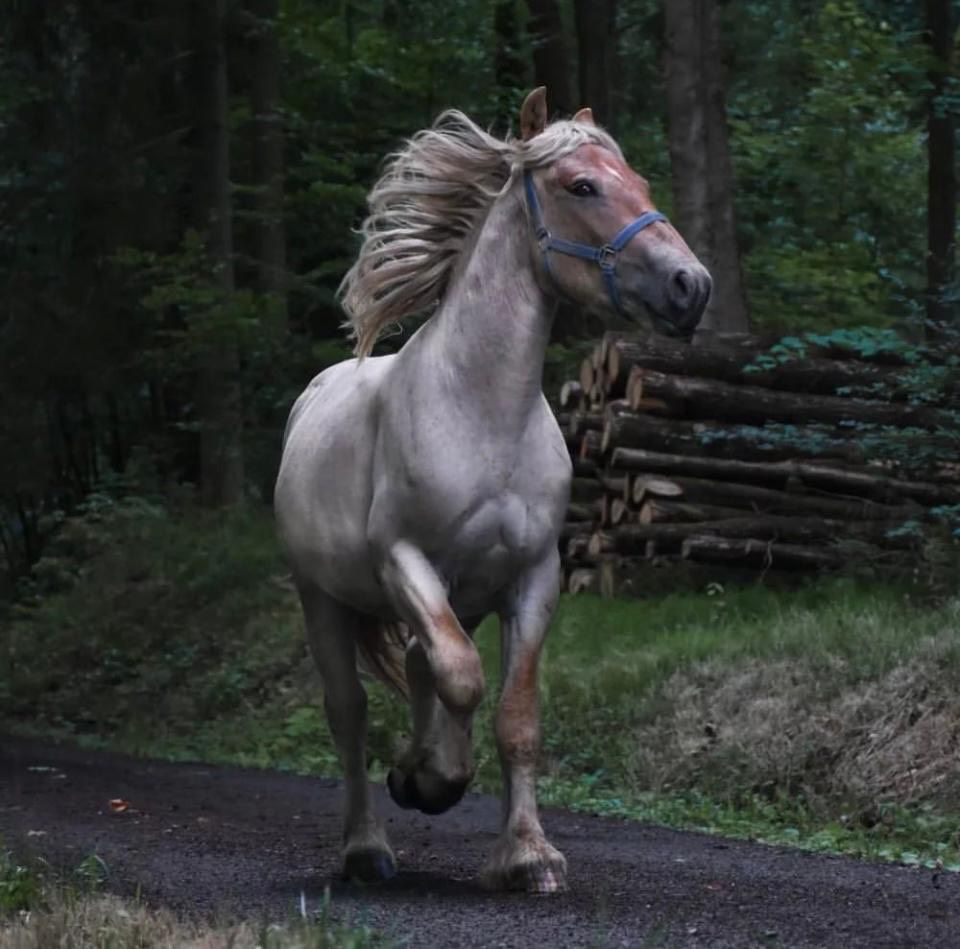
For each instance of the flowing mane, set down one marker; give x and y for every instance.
(431, 196)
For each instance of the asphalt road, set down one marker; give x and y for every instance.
(209, 840)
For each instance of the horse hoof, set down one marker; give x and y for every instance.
(369, 865)
(542, 877)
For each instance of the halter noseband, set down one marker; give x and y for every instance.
(605, 257)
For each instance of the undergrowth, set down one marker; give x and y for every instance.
(826, 717)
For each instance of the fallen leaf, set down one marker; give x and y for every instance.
(118, 805)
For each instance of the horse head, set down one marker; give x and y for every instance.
(597, 237)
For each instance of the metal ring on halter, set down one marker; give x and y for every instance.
(605, 257)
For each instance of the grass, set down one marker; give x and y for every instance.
(827, 717)
(38, 911)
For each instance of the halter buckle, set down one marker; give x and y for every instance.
(607, 257)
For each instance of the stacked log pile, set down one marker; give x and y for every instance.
(704, 460)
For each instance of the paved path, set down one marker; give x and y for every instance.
(228, 840)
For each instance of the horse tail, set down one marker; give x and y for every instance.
(383, 651)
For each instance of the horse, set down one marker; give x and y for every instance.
(419, 492)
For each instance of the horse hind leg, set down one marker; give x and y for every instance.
(332, 631)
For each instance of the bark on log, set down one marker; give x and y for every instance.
(583, 513)
(761, 553)
(681, 437)
(858, 483)
(583, 467)
(586, 489)
(631, 539)
(727, 361)
(656, 511)
(762, 500)
(710, 398)
(625, 577)
(580, 422)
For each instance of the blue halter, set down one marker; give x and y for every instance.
(606, 256)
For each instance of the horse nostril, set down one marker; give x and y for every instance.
(682, 289)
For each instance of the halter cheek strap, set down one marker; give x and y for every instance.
(605, 257)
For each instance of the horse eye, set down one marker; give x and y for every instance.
(582, 189)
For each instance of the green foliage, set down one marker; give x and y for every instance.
(20, 887)
(203, 630)
(827, 143)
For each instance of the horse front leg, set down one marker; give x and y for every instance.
(522, 858)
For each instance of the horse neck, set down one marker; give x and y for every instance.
(495, 321)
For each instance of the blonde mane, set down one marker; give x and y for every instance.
(431, 196)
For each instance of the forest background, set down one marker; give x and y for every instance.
(180, 181)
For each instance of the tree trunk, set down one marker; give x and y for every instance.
(941, 173)
(218, 396)
(551, 64)
(509, 67)
(268, 159)
(700, 155)
(596, 22)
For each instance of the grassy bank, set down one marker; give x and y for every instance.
(827, 717)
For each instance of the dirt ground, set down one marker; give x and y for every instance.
(234, 842)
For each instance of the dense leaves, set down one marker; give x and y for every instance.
(108, 294)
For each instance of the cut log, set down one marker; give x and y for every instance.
(729, 363)
(583, 467)
(571, 393)
(586, 489)
(590, 446)
(631, 539)
(761, 500)
(583, 580)
(576, 549)
(855, 482)
(583, 513)
(614, 484)
(656, 511)
(581, 422)
(586, 375)
(597, 357)
(715, 440)
(710, 398)
(620, 513)
(644, 486)
(761, 553)
(628, 578)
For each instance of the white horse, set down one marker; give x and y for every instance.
(421, 491)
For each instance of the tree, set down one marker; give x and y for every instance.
(218, 385)
(509, 67)
(596, 22)
(941, 171)
(700, 155)
(268, 156)
(551, 62)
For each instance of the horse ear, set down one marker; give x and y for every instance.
(533, 113)
(585, 116)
